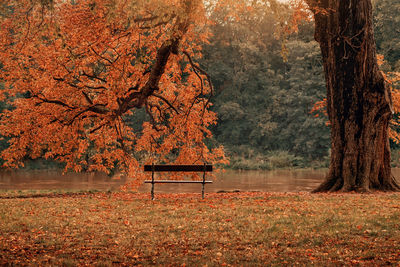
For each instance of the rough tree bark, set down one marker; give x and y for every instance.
(358, 100)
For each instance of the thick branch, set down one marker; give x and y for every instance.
(162, 21)
(138, 99)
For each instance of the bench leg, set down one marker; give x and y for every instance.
(203, 184)
(152, 184)
(152, 191)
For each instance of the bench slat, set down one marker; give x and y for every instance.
(177, 182)
(178, 168)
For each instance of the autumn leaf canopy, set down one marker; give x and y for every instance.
(105, 83)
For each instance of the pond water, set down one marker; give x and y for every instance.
(265, 181)
(54, 179)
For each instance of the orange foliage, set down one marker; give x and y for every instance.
(78, 74)
(301, 12)
(393, 79)
(319, 106)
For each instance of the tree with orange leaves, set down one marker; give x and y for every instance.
(78, 72)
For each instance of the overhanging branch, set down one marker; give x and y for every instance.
(166, 101)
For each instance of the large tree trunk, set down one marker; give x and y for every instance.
(358, 99)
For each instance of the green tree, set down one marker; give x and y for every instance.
(387, 31)
(263, 102)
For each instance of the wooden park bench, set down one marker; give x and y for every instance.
(177, 168)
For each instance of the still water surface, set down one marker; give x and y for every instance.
(266, 181)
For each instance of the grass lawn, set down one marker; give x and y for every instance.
(104, 229)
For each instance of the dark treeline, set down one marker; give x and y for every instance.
(263, 99)
(264, 102)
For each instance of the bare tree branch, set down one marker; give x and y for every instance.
(153, 121)
(87, 98)
(94, 77)
(196, 67)
(50, 101)
(166, 101)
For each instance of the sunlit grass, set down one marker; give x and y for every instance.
(235, 229)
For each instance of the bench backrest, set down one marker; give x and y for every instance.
(178, 168)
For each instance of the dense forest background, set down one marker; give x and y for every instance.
(265, 88)
(264, 102)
